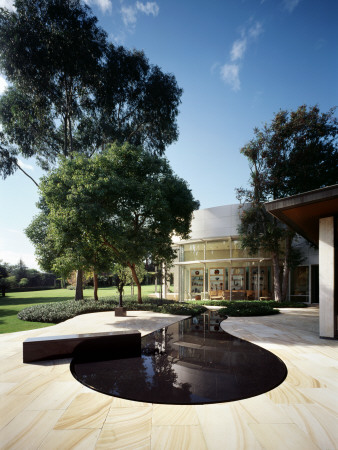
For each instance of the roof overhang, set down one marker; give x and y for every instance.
(303, 211)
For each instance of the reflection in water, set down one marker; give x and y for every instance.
(189, 362)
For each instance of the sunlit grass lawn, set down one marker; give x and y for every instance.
(16, 301)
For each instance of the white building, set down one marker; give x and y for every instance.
(212, 264)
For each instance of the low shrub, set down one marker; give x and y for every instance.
(272, 303)
(287, 304)
(59, 312)
(183, 309)
(246, 309)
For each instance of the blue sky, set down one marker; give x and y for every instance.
(238, 62)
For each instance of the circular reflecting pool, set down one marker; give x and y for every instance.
(190, 362)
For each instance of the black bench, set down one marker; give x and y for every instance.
(93, 346)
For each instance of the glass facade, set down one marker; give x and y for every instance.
(218, 249)
(193, 252)
(299, 288)
(220, 268)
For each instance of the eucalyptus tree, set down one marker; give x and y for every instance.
(296, 152)
(72, 92)
(50, 53)
(125, 199)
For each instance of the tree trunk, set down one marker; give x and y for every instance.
(96, 286)
(120, 297)
(276, 278)
(3, 291)
(156, 280)
(139, 293)
(79, 285)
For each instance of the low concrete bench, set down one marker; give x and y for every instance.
(91, 346)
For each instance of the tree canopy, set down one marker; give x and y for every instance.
(71, 91)
(296, 152)
(124, 199)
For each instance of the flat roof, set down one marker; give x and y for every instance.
(303, 211)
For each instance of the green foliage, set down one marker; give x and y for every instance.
(50, 51)
(124, 204)
(74, 92)
(182, 309)
(246, 309)
(6, 281)
(269, 303)
(297, 152)
(23, 282)
(61, 311)
(123, 276)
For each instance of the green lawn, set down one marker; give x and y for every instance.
(16, 301)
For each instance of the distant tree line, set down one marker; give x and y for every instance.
(13, 276)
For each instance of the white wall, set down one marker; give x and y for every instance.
(215, 222)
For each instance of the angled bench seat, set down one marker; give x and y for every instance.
(109, 345)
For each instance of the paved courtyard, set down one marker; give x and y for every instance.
(44, 407)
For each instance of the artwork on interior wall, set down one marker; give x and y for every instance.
(237, 278)
(196, 281)
(216, 279)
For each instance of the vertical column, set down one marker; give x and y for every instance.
(181, 284)
(327, 312)
(309, 284)
(164, 281)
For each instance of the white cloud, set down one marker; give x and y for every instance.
(238, 49)
(290, 5)
(104, 5)
(230, 72)
(148, 8)
(129, 15)
(24, 165)
(118, 38)
(230, 75)
(256, 30)
(8, 4)
(3, 85)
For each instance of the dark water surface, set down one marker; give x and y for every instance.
(190, 362)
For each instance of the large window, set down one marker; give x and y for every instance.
(193, 252)
(237, 251)
(218, 249)
(300, 284)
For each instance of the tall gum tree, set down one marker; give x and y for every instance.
(296, 152)
(125, 199)
(72, 92)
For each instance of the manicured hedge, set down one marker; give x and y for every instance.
(272, 303)
(59, 312)
(246, 309)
